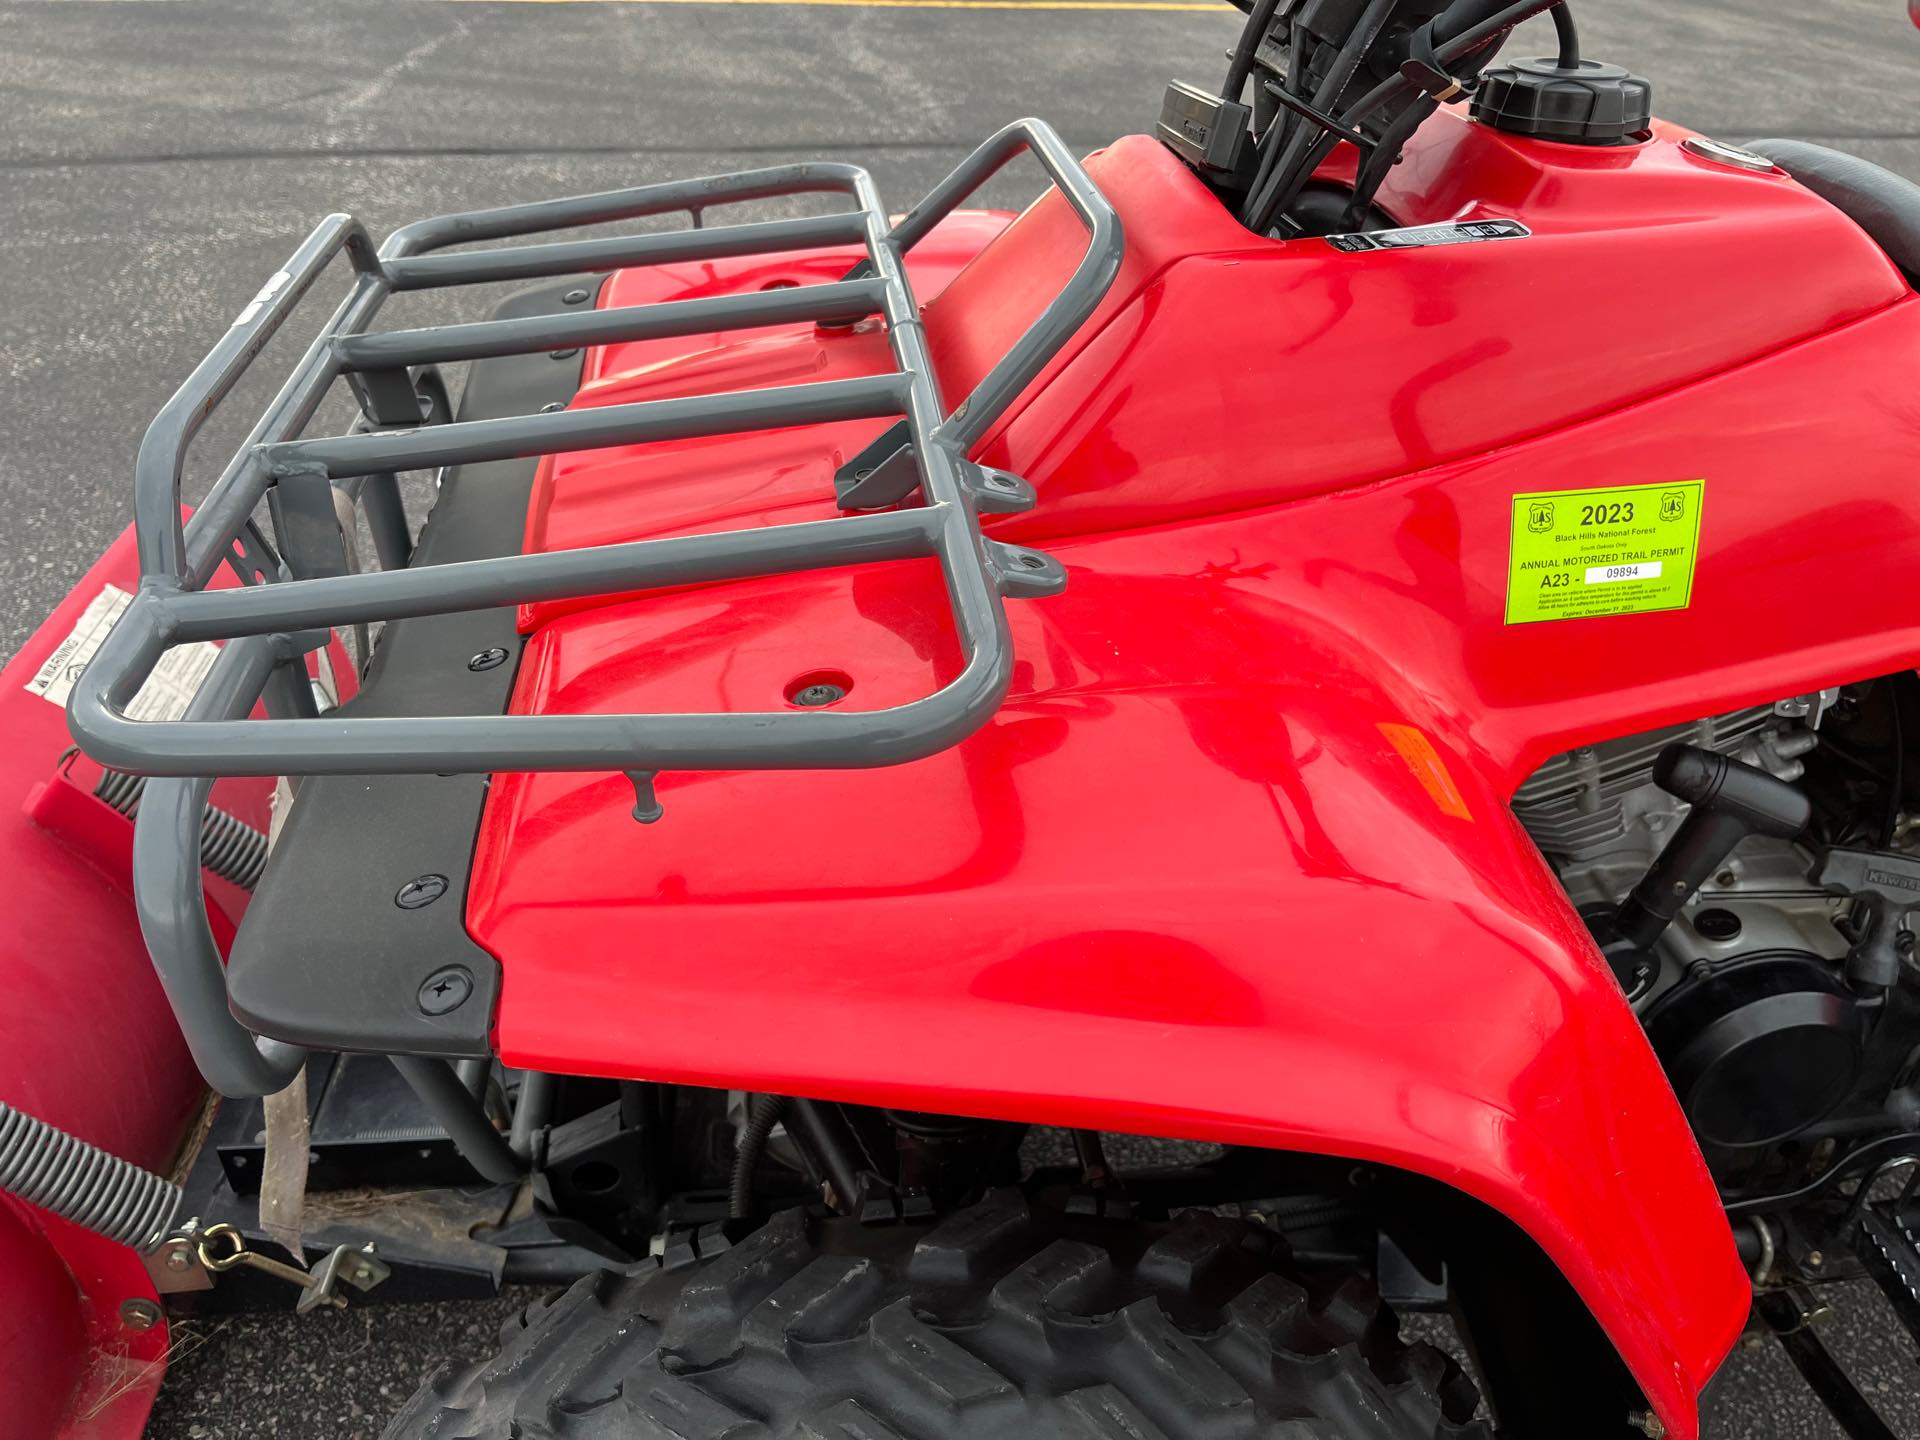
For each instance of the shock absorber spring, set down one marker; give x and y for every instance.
(229, 847)
(56, 1171)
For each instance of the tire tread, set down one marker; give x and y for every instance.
(994, 1322)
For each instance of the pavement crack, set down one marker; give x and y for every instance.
(380, 84)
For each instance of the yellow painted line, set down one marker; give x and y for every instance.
(1186, 5)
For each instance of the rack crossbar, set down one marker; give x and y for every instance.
(579, 257)
(596, 427)
(557, 575)
(843, 303)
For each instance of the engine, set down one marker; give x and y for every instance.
(1778, 985)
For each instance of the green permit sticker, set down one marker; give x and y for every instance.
(1625, 550)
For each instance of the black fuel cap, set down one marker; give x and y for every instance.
(1597, 104)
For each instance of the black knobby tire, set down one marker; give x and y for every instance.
(996, 1324)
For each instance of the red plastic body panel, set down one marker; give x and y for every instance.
(87, 1043)
(1645, 270)
(632, 492)
(1234, 861)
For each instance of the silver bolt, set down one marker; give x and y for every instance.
(178, 1258)
(139, 1314)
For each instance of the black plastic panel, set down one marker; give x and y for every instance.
(327, 957)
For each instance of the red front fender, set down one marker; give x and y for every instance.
(1269, 912)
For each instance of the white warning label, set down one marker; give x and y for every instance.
(168, 691)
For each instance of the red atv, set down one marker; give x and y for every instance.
(1372, 630)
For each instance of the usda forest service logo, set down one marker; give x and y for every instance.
(1540, 516)
(1673, 505)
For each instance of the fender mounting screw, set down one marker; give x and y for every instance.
(445, 990)
(420, 892)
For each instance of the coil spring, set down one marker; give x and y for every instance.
(229, 847)
(83, 1183)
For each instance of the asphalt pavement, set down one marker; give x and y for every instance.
(159, 158)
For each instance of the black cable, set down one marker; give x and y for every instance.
(1255, 30)
(1471, 40)
(1569, 34)
(1263, 205)
(1373, 170)
(1284, 155)
(763, 1113)
(1283, 122)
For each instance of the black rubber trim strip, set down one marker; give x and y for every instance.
(326, 958)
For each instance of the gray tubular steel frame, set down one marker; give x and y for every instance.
(172, 607)
(271, 620)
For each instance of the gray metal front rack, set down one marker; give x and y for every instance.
(283, 610)
(274, 617)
